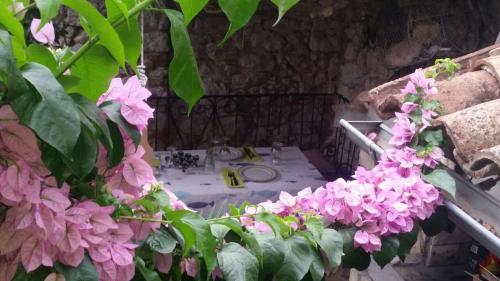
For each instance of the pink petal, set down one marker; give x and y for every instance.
(46, 35)
(32, 254)
(121, 255)
(138, 172)
(136, 112)
(100, 253)
(55, 200)
(72, 259)
(163, 262)
(134, 89)
(21, 141)
(71, 239)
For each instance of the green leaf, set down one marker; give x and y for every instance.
(406, 242)
(54, 161)
(161, 241)
(115, 156)
(317, 270)
(272, 249)
(84, 272)
(219, 231)
(190, 8)
(84, 154)
(147, 273)
(115, 7)
(19, 53)
(230, 223)
(48, 10)
(412, 98)
(8, 70)
(276, 223)
(353, 257)
(68, 82)
(435, 223)
(238, 13)
(11, 23)
(54, 118)
(93, 114)
(315, 226)
(112, 109)
(434, 137)
(95, 69)
(107, 34)
(184, 77)
(389, 251)
(297, 261)
(237, 264)
(283, 7)
(148, 203)
(42, 55)
(442, 179)
(130, 34)
(162, 198)
(331, 243)
(205, 242)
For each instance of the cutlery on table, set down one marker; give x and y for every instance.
(232, 177)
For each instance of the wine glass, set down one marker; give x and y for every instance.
(276, 148)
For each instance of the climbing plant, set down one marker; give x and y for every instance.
(78, 202)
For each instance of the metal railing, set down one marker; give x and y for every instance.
(303, 120)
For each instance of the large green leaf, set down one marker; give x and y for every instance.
(115, 155)
(42, 55)
(331, 244)
(297, 261)
(95, 122)
(95, 69)
(10, 23)
(205, 242)
(273, 251)
(317, 269)
(112, 109)
(237, 263)
(190, 8)
(54, 117)
(406, 242)
(130, 34)
(84, 272)
(353, 257)
(161, 241)
(442, 179)
(389, 251)
(84, 154)
(436, 223)
(147, 273)
(283, 7)
(115, 7)
(48, 9)
(183, 75)
(107, 34)
(434, 137)
(8, 69)
(239, 13)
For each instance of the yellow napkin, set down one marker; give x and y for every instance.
(227, 180)
(250, 150)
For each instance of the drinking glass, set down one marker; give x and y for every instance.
(169, 158)
(276, 148)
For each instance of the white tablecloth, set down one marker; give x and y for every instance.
(204, 191)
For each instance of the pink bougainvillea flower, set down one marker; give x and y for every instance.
(189, 267)
(217, 274)
(45, 35)
(163, 262)
(434, 157)
(409, 88)
(369, 242)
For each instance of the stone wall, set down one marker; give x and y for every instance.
(321, 46)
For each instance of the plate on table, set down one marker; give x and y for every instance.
(258, 173)
(231, 154)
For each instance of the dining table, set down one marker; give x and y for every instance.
(207, 193)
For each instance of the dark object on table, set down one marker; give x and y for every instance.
(232, 177)
(476, 256)
(183, 160)
(199, 205)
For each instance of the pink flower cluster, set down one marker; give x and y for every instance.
(42, 225)
(131, 96)
(379, 202)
